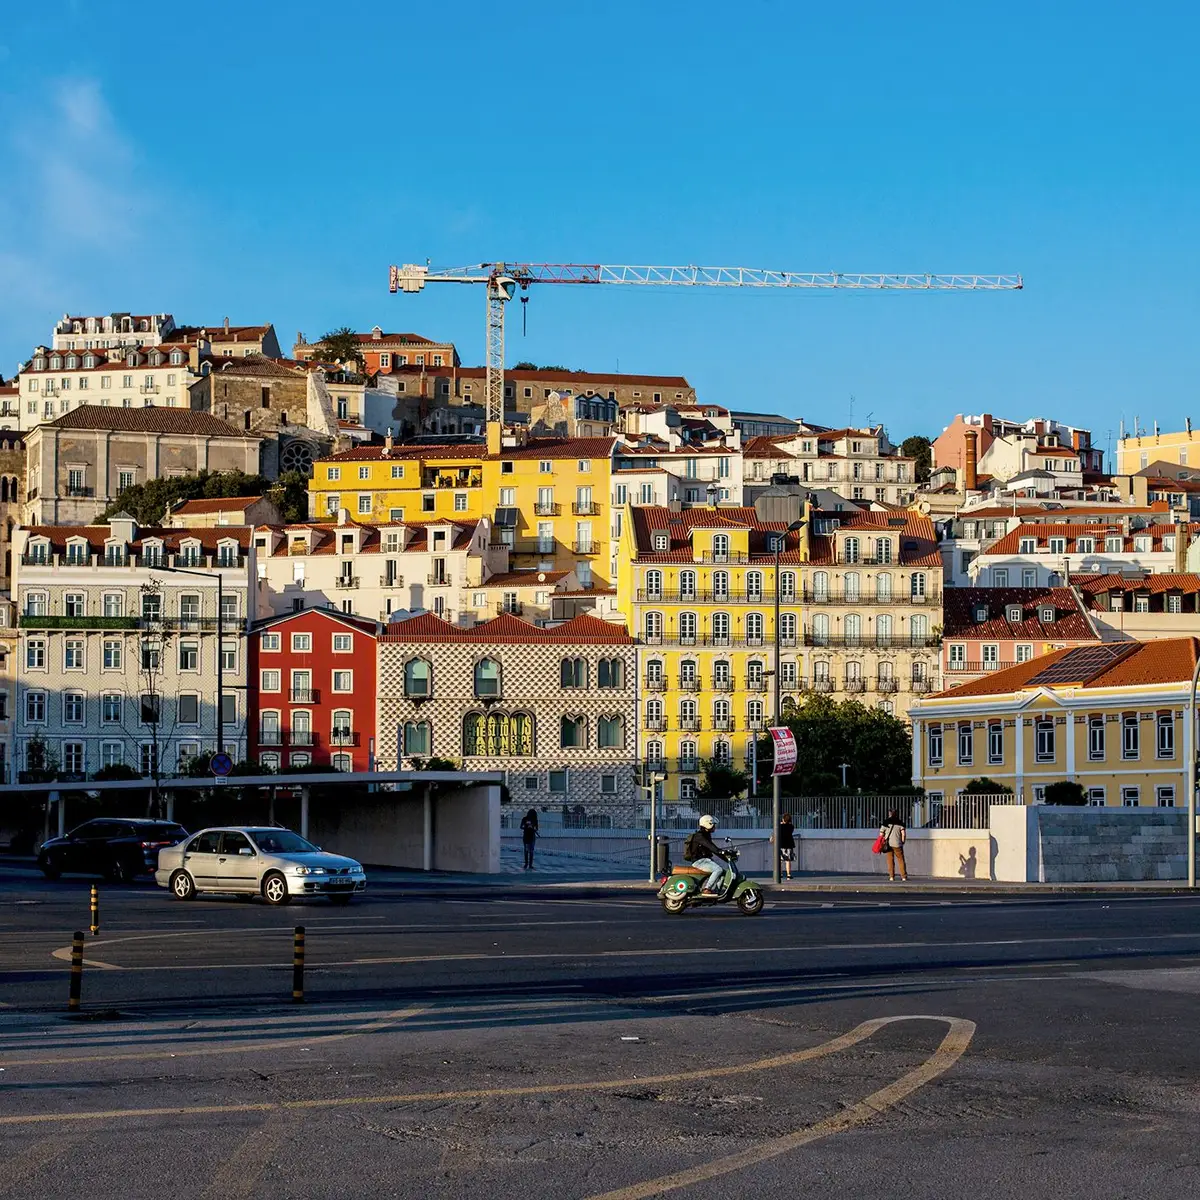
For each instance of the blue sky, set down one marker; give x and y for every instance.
(268, 160)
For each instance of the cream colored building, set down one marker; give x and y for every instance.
(1178, 449)
(79, 463)
(125, 641)
(384, 571)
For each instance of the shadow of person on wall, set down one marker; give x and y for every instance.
(968, 864)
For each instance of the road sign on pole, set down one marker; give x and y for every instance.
(784, 744)
(220, 764)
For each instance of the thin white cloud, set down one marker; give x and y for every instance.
(73, 210)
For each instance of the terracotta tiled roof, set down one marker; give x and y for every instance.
(507, 629)
(1010, 543)
(224, 504)
(1108, 665)
(651, 519)
(259, 365)
(147, 420)
(1093, 586)
(378, 453)
(511, 579)
(766, 447)
(324, 536)
(1056, 452)
(552, 448)
(664, 382)
(393, 339)
(218, 332)
(960, 607)
(171, 539)
(362, 624)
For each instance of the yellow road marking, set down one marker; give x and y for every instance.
(238, 1175)
(21, 1167)
(774, 1062)
(951, 1049)
(196, 1052)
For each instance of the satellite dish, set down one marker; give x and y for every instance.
(541, 577)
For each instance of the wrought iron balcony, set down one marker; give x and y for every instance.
(689, 685)
(547, 510)
(585, 510)
(346, 581)
(689, 724)
(655, 724)
(655, 683)
(304, 696)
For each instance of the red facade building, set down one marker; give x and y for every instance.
(312, 683)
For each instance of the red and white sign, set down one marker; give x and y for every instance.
(784, 744)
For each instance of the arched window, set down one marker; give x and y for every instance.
(573, 733)
(787, 586)
(918, 629)
(654, 581)
(687, 714)
(687, 585)
(883, 588)
(654, 714)
(853, 585)
(754, 628)
(850, 550)
(918, 585)
(572, 673)
(820, 587)
(721, 674)
(610, 733)
(853, 629)
(883, 629)
(820, 629)
(608, 673)
(341, 762)
(720, 629)
(720, 585)
(654, 753)
(687, 673)
(787, 628)
(687, 628)
(720, 714)
(417, 738)
(342, 731)
(487, 678)
(653, 626)
(883, 550)
(722, 752)
(754, 713)
(754, 586)
(418, 678)
(754, 675)
(720, 547)
(654, 672)
(687, 756)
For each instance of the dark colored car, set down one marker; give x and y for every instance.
(116, 847)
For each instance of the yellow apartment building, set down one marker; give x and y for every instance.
(1181, 449)
(548, 498)
(1112, 717)
(860, 618)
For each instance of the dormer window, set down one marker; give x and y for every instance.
(1028, 546)
(176, 357)
(89, 360)
(661, 541)
(131, 360)
(39, 364)
(1046, 614)
(1141, 545)
(114, 554)
(227, 554)
(72, 362)
(1013, 614)
(981, 613)
(156, 360)
(77, 552)
(1114, 545)
(152, 554)
(1058, 545)
(1085, 545)
(189, 553)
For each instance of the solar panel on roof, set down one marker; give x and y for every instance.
(506, 518)
(1080, 665)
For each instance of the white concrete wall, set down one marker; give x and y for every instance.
(929, 853)
(1014, 843)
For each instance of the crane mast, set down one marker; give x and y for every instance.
(501, 281)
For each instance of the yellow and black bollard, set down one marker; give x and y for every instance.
(95, 910)
(298, 965)
(76, 971)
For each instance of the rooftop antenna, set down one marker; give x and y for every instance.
(851, 421)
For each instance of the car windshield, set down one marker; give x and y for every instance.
(161, 833)
(281, 841)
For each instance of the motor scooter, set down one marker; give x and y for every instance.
(683, 885)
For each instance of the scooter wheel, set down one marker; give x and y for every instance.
(675, 904)
(751, 902)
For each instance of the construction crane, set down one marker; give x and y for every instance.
(501, 281)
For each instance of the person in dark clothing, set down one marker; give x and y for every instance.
(704, 853)
(787, 844)
(529, 835)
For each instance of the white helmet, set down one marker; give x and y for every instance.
(707, 822)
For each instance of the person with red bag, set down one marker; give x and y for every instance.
(891, 842)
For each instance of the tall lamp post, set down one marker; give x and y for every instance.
(220, 661)
(780, 539)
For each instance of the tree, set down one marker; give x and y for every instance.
(148, 502)
(921, 448)
(290, 496)
(721, 781)
(876, 746)
(524, 365)
(41, 763)
(340, 346)
(1066, 791)
(983, 786)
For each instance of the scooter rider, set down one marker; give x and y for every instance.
(701, 851)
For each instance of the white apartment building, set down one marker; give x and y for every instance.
(384, 572)
(126, 638)
(115, 329)
(856, 464)
(54, 382)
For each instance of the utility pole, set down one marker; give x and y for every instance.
(780, 538)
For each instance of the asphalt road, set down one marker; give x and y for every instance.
(553, 1043)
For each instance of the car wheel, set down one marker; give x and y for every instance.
(183, 887)
(51, 869)
(275, 889)
(343, 900)
(117, 871)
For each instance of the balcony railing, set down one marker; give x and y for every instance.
(304, 696)
(31, 621)
(343, 737)
(886, 685)
(547, 510)
(922, 685)
(300, 737)
(822, 685)
(754, 684)
(270, 737)
(868, 596)
(722, 685)
(466, 478)
(688, 766)
(149, 389)
(689, 724)
(386, 580)
(438, 580)
(756, 724)
(730, 556)
(856, 685)
(346, 581)
(587, 547)
(655, 724)
(689, 685)
(585, 510)
(515, 607)
(655, 683)
(657, 766)
(898, 642)
(79, 490)
(724, 724)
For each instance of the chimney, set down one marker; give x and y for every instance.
(971, 465)
(388, 443)
(1076, 440)
(1182, 529)
(226, 324)
(494, 430)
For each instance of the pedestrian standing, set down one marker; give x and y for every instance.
(786, 842)
(529, 835)
(894, 834)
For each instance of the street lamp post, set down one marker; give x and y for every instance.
(1189, 742)
(794, 527)
(655, 780)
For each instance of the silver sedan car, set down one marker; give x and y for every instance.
(275, 864)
